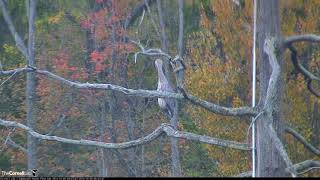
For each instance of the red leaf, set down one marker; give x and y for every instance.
(99, 67)
(72, 68)
(96, 56)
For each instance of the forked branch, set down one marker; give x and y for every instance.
(163, 128)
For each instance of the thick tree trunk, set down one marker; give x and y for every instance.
(269, 161)
(132, 152)
(31, 87)
(175, 155)
(164, 39)
(103, 152)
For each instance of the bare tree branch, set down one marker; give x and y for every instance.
(299, 38)
(163, 128)
(15, 71)
(57, 125)
(282, 151)
(306, 166)
(311, 88)
(300, 138)
(8, 78)
(205, 139)
(299, 67)
(149, 52)
(20, 44)
(270, 50)
(142, 93)
(219, 109)
(307, 74)
(9, 141)
(140, 141)
(176, 62)
(14, 144)
(301, 168)
(270, 103)
(244, 174)
(136, 12)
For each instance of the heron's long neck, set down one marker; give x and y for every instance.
(161, 76)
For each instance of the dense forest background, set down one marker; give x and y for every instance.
(86, 41)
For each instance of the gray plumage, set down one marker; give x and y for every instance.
(167, 104)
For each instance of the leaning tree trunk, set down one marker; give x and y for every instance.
(269, 161)
(31, 86)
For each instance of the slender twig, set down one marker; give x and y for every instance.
(55, 127)
(252, 122)
(300, 138)
(14, 144)
(8, 78)
(8, 136)
(142, 17)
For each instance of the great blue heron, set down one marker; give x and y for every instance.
(167, 104)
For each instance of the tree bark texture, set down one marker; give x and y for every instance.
(31, 87)
(269, 161)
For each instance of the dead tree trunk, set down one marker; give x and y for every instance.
(31, 86)
(175, 155)
(269, 161)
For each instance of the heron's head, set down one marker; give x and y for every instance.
(158, 63)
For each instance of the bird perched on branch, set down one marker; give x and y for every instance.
(167, 104)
